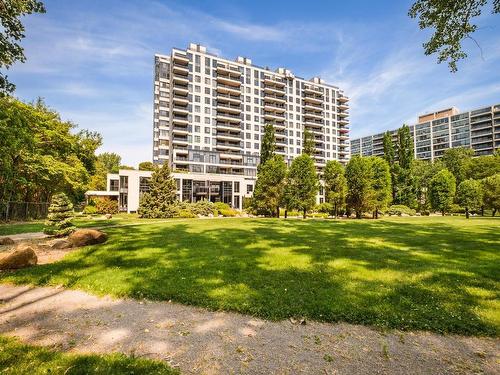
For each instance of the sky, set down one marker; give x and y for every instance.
(92, 60)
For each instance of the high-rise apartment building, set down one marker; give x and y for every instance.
(210, 112)
(438, 131)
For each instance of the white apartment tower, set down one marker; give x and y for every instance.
(210, 112)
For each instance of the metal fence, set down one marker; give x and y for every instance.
(20, 211)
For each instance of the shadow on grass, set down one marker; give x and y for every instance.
(395, 274)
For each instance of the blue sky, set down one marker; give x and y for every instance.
(93, 60)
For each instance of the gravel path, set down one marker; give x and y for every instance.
(203, 342)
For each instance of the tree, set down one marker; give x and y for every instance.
(359, 177)
(381, 184)
(404, 186)
(308, 143)
(268, 145)
(470, 195)
(422, 172)
(59, 218)
(303, 183)
(491, 191)
(12, 31)
(111, 161)
(123, 166)
(160, 201)
(458, 161)
(389, 156)
(442, 190)
(452, 23)
(269, 187)
(335, 184)
(146, 166)
(484, 166)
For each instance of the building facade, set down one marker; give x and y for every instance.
(438, 131)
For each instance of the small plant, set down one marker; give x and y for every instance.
(328, 358)
(106, 206)
(90, 210)
(59, 218)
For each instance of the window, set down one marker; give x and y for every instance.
(113, 185)
(249, 189)
(236, 187)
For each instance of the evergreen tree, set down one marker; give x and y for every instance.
(335, 184)
(491, 190)
(470, 195)
(59, 217)
(308, 143)
(268, 145)
(404, 186)
(269, 187)
(381, 184)
(389, 156)
(359, 177)
(303, 183)
(161, 200)
(442, 190)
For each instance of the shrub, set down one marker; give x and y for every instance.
(90, 210)
(186, 213)
(106, 206)
(456, 209)
(203, 208)
(399, 210)
(325, 208)
(224, 209)
(59, 218)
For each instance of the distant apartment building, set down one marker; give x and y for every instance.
(438, 131)
(208, 123)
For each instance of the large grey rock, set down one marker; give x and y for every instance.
(23, 256)
(60, 244)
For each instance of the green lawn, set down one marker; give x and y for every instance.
(17, 358)
(24, 227)
(429, 273)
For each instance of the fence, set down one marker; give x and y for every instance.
(23, 210)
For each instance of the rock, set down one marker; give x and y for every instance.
(23, 256)
(108, 216)
(60, 244)
(84, 237)
(6, 241)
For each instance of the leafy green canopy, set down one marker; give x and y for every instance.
(302, 184)
(470, 195)
(41, 154)
(491, 190)
(268, 145)
(359, 176)
(335, 184)
(442, 190)
(269, 187)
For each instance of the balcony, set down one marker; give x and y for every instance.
(313, 115)
(228, 136)
(228, 117)
(180, 109)
(229, 80)
(275, 107)
(342, 99)
(228, 98)
(274, 90)
(180, 69)
(180, 79)
(180, 140)
(342, 121)
(342, 106)
(343, 114)
(274, 116)
(313, 108)
(228, 126)
(274, 81)
(228, 89)
(227, 107)
(274, 98)
(220, 145)
(179, 119)
(181, 59)
(228, 69)
(182, 90)
(180, 130)
(313, 99)
(313, 90)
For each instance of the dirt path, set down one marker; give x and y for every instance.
(199, 341)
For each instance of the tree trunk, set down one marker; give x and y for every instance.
(335, 211)
(304, 213)
(466, 212)
(286, 213)
(493, 213)
(376, 214)
(278, 212)
(442, 212)
(482, 210)
(358, 214)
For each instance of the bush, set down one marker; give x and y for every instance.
(456, 209)
(106, 206)
(203, 208)
(325, 208)
(399, 210)
(224, 209)
(90, 210)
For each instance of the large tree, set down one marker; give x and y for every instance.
(359, 176)
(308, 143)
(268, 144)
(442, 191)
(470, 195)
(303, 183)
(146, 166)
(491, 190)
(404, 186)
(335, 184)
(111, 161)
(160, 201)
(269, 187)
(11, 33)
(381, 184)
(422, 172)
(458, 161)
(452, 22)
(484, 166)
(390, 158)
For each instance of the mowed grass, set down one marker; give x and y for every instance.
(429, 273)
(17, 358)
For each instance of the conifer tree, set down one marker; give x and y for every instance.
(268, 145)
(59, 217)
(161, 200)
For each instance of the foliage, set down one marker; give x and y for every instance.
(422, 172)
(452, 23)
(160, 201)
(127, 167)
(269, 187)
(146, 166)
(268, 145)
(40, 154)
(308, 143)
(381, 184)
(484, 166)
(359, 177)
(400, 210)
(335, 185)
(225, 210)
(442, 190)
(458, 161)
(59, 218)
(302, 183)
(404, 187)
(12, 31)
(203, 208)
(111, 161)
(106, 205)
(22, 359)
(470, 195)
(491, 191)
(90, 210)
(325, 208)
(390, 158)
(403, 273)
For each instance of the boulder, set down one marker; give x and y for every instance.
(108, 216)
(6, 241)
(60, 244)
(23, 256)
(84, 237)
